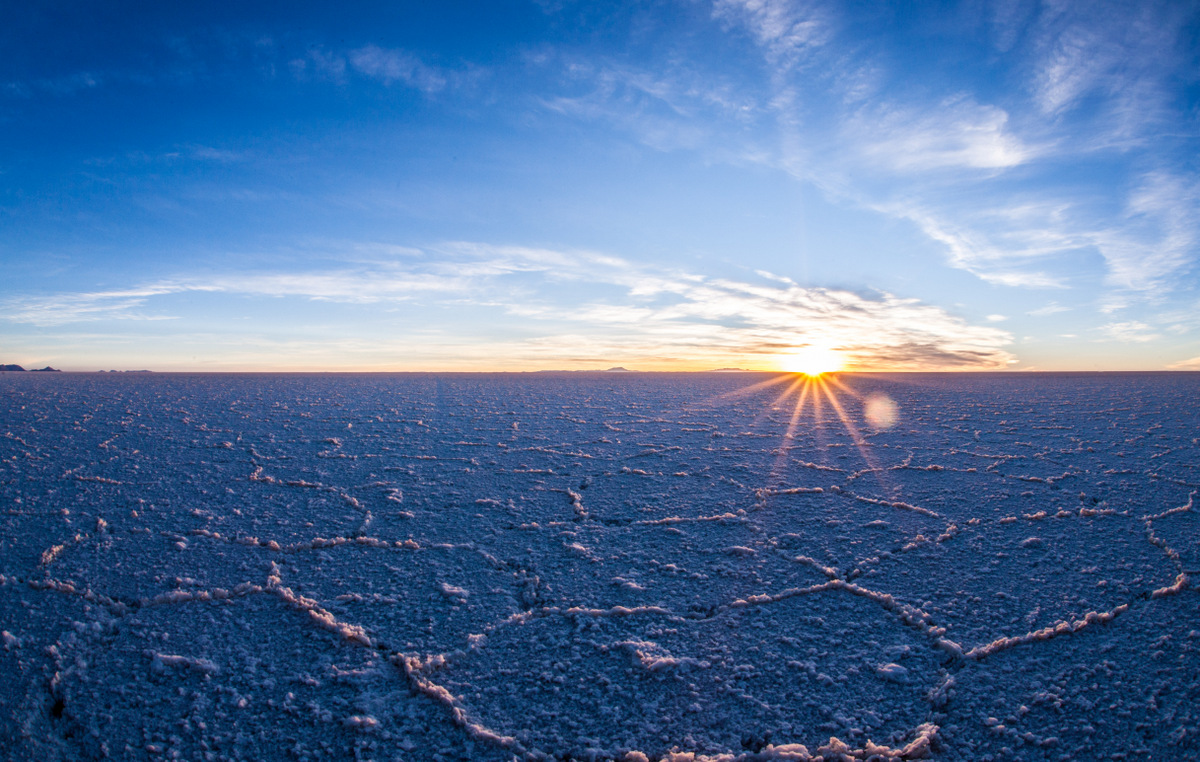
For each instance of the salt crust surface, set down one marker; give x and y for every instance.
(590, 566)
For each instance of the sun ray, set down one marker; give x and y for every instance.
(818, 425)
(841, 413)
(756, 387)
(798, 410)
(814, 392)
(818, 408)
(836, 382)
(860, 442)
(789, 433)
(788, 391)
(774, 405)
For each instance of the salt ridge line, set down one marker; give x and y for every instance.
(159, 663)
(917, 540)
(889, 503)
(669, 520)
(319, 543)
(828, 571)
(411, 667)
(258, 476)
(74, 472)
(113, 605)
(547, 450)
(835, 750)
(908, 458)
(316, 543)
(911, 616)
(576, 501)
(1046, 633)
(921, 621)
(1181, 580)
(814, 466)
(762, 493)
(320, 616)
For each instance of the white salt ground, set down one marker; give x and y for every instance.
(578, 566)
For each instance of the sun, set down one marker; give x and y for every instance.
(812, 361)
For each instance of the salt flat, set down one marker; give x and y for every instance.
(599, 566)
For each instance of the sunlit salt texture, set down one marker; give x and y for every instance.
(596, 566)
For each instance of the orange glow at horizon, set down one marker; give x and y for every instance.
(812, 361)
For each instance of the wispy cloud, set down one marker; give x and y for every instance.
(386, 65)
(1192, 364)
(394, 65)
(974, 248)
(1133, 331)
(62, 309)
(1010, 184)
(1159, 234)
(667, 109)
(957, 133)
(1122, 56)
(786, 30)
(1053, 308)
(653, 316)
(1070, 68)
(319, 63)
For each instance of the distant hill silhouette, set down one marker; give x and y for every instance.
(46, 369)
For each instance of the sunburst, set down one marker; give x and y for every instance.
(812, 361)
(821, 387)
(810, 385)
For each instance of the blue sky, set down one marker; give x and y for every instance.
(514, 186)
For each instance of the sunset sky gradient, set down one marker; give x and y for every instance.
(519, 186)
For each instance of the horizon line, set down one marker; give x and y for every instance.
(606, 371)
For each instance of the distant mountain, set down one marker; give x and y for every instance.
(46, 369)
(618, 369)
(730, 370)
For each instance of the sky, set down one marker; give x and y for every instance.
(572, 185)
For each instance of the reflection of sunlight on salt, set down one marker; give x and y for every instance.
(881, 411)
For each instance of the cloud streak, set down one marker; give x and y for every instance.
(652, 317)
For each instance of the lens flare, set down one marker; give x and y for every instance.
(881, 411)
